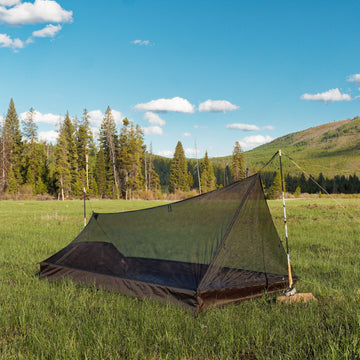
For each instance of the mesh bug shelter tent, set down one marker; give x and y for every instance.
(212, 249)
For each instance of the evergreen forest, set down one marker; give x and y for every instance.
(118, 164)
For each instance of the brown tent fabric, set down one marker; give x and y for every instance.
(212, 249)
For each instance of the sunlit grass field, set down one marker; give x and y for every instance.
(42, 320)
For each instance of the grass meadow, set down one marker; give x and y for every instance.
(60, 320)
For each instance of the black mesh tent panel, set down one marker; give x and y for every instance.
(189, 230)
(252, 245)
(215, 248)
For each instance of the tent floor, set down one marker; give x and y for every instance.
(102, 264)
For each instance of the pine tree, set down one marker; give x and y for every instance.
(49, 168)
(109, 144)
(42, 171)
(179, 179)
(5, 164)
(29, 127)
(208, 180)
(131, 159)
(91, 177)
(291, 183)
(63, 165)
(137, 151)
(30, 179)
(31, 161)
(93, 188)
(69, 131)
(100, 174)
(321, 180)
(276, 188)
(297, 192)
(238, 163)
(80, 184)
(83, 141)
(11, 183)
(40, 187)
(124, 158)
(13, 145)
(227, 175)
(190, 180)
(152, 178)
(303, 183)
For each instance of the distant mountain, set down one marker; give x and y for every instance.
(333, 149)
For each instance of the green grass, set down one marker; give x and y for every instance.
(42, 320)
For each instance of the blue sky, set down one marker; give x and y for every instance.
(205, 72)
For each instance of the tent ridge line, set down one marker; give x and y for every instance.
(173, 202)
(230, 226)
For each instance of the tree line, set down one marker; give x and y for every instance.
(297, 184)
(116, 165)
(119, 165)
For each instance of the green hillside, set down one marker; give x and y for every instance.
(333, 149)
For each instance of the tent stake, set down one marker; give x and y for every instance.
(291, 290)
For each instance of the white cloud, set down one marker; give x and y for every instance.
(268, 127)
(166, 153)
(186, 134)
(330, 95)
(141, 42)
(47, 31)
(217, 106)
(48, 118)
(255, 140)
(176, 104)
(96, 117)
(6, 41)
(95, 132)
(199, 127)
(48, 136)
(154, 119)
(118, 117)
(355, 78)
(153, 130)
(43, 118)
(8, 3)
(41, 11)
(191, 152)
(243, 127)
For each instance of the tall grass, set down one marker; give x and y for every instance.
(42, 320)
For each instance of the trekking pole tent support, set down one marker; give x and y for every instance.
(84, 207)
(291, 290)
